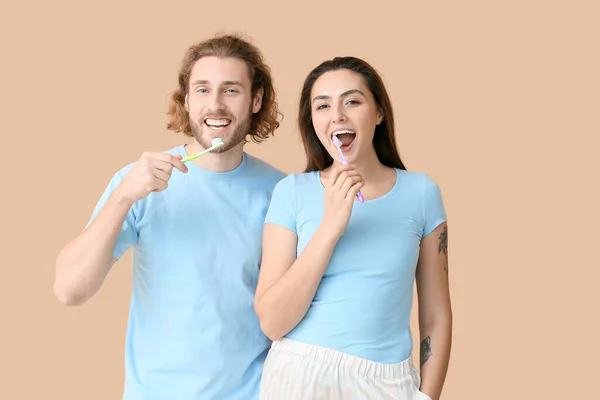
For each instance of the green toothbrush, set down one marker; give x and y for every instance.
(218, 142)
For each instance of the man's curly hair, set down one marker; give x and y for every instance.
(265, 121)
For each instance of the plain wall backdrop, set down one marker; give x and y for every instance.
(498, 101)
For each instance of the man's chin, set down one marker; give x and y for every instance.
(227, 145)
(221, 149)
(231, 137)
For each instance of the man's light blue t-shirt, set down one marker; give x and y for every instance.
(192, 332)
(363, 304)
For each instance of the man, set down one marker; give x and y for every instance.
(195, 230)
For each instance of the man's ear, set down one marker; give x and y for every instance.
(185, 104)
(257, 101)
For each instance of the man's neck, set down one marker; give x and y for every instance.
(217, 162)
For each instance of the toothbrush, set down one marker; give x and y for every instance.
(337, 143)
(218, 142)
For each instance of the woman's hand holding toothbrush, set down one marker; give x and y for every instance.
(341, 189)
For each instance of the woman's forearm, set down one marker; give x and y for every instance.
(435, 345)
(285, 303)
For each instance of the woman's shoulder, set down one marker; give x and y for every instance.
(417, 178)
(298, 181)
(297, 178)
(417, 185)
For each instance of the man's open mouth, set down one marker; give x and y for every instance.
(217, 124)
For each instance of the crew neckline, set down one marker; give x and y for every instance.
(197, 170)
(394, 189)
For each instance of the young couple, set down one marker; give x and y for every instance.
(250, 284)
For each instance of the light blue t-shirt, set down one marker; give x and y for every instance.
(363, 304)
(192, 332)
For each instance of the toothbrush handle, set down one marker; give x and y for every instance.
(189, 158)
(360, 197)
(203, 152)
(194, 156)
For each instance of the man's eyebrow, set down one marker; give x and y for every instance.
(346, 93)
(198, 82)
(232, 83)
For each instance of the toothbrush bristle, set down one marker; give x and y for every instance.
(217, 141)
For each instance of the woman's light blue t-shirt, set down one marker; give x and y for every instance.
(363, 303)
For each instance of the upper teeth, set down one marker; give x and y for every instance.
(217, 122)
(342, 132)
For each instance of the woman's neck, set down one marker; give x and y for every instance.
(370, 168)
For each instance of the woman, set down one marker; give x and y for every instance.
(336, 282)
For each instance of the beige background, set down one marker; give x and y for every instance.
(497, 102)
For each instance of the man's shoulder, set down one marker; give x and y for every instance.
(265, 169)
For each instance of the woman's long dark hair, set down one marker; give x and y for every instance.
(384, 140)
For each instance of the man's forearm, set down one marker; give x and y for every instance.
(83, 264)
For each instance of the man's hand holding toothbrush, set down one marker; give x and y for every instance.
(151, 173)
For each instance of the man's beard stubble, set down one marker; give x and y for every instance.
(234, 138)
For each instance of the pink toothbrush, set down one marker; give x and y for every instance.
(337, 143)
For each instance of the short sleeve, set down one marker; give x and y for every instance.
(434, 212)
(282, 209)
(128, 235)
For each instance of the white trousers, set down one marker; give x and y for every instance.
(300, 371)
